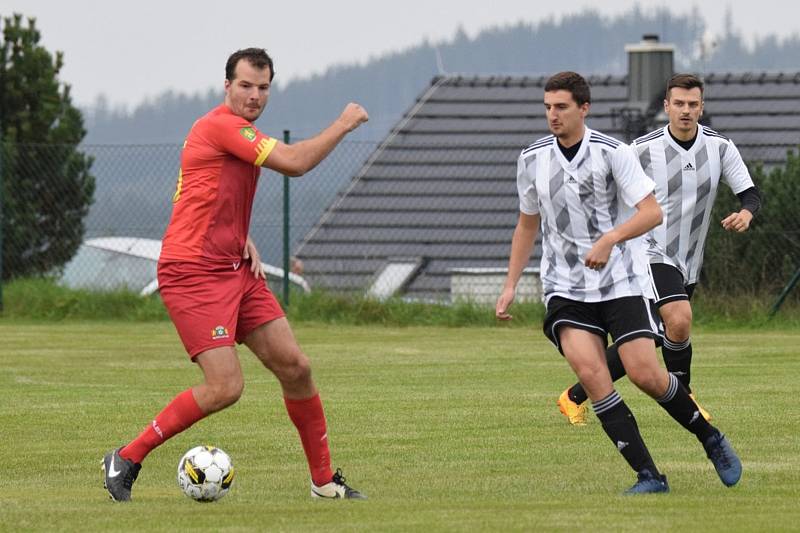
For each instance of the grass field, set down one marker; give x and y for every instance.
(446, 429)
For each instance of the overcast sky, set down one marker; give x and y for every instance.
(135, 49)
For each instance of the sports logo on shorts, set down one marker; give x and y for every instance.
(248, 133)
(219, 332)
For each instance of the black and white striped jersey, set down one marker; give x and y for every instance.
(686, 186)
(579, 201)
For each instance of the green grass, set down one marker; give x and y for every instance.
(446, 429)
(42, 299)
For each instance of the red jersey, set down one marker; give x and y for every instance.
(220, 165)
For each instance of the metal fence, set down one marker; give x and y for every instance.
(403, 217)
(128, 194)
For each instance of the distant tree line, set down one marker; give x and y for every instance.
(588, 42)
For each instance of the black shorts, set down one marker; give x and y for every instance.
(625, 319)
(668, 284)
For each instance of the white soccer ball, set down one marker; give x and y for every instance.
(205, 473)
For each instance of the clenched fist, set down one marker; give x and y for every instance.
(353, 116)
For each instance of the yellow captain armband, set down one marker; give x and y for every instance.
(263, 149)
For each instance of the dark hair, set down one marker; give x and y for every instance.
(258, 57)
(572, 82)
(684, 81)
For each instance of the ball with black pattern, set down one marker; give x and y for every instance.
(205, 473)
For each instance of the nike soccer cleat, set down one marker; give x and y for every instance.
(119, 475)
(336, 489)
(724, 458)
(575, 412)
(703, 412)
(648, 483)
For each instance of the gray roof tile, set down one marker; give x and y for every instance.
(425, 219)
(444, 235)
(450, 203)
(480, 187)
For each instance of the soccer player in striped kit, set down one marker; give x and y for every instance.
(594, 202)
(211, 279)
(687, 161)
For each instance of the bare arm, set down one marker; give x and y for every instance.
(521, 248)
(648, 215)
(297, 159)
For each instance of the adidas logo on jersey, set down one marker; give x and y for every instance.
(689, 166)
(572, 180)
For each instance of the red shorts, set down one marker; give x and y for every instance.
(215, 305)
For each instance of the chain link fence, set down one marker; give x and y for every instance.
(100, 225)
(413, 224)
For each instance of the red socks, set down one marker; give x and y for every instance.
(309, 418)
(307, 415)
(181, 413)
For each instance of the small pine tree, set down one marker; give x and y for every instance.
(46, 185)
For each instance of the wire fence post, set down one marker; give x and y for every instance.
(286, 266)
(784, 293)
(2, 154)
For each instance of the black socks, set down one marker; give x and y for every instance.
(681, 407)
(678, 358)
(620, 426)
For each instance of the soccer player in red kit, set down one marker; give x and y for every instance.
(211, 280)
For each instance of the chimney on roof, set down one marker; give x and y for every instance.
(650, 66)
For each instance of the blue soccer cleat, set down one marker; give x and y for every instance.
(724, 458)
(648, 483)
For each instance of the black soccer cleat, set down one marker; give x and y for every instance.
(119, 475)
(336, 489)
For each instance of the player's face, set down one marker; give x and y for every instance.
(684, 107)
(564, 116)
(248, 92)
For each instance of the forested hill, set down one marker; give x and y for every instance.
(388, 85)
